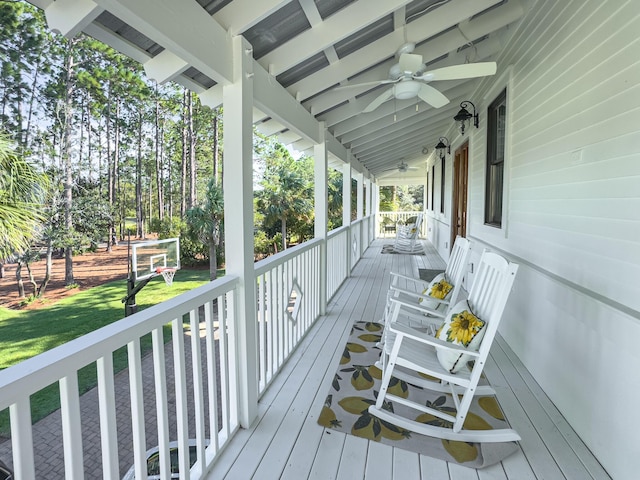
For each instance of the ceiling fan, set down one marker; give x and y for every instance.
(402, 167)
(409, 79)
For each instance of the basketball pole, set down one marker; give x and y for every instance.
(130, 306)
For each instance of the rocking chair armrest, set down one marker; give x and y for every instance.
(421, 295)
(419, 308)
(422, 308)
(417, 281)
(406, 331)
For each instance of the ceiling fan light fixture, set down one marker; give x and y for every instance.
(405, 90)
(463, 117)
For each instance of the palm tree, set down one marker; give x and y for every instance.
(204, 220)
(21, 192)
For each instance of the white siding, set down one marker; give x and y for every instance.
(572, 213)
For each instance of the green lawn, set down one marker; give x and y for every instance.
(24, 334)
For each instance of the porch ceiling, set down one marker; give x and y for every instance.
(310, 47)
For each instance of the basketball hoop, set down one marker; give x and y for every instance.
(167, 274)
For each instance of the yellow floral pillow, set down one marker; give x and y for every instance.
(438, 286)
(463, 328)
(441, 289)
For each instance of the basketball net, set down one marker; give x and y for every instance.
(167, 274)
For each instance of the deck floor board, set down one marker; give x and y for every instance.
(286, 442)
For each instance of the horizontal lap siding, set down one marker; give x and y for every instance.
(573, 211)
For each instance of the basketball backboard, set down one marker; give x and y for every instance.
(147, 257)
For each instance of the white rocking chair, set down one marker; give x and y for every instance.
(407, 237)
(416, 294)
(415, 352)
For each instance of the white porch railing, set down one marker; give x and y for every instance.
(288, 304)
(198, 376)
(387, 227)
(205, 393)
(338, 264)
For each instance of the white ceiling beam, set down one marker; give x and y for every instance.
(116, 42)
(165, 66)
(393, 131)
(311, 12)
(408, 142)
(240, 15)
(335, 28)
(69, 17)
(271, 127)
(288, 137)
(417, 31)
(181, 27)
(395, 142)
(275, 101)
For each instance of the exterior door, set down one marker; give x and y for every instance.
(460, 175)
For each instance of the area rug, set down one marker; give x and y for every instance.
(356, 384)
(428, 274)
(390, 249)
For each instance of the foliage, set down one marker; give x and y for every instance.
(204, 223)
(21, 194)
(286, 194)
(403, 198)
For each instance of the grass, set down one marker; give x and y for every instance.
(25, 334)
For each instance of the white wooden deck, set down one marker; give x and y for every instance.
(287, 443)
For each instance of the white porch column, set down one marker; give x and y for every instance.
(346, 194)
(321, 166)
(360, 196)
(367, 184)
(238, 210)
(346, 208)
(376, 208)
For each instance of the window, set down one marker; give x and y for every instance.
(433, 185)
(496, 118)
(442, 184)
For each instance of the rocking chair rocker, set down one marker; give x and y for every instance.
(445, 355)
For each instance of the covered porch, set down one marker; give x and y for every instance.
(567, 85)
(286, 441)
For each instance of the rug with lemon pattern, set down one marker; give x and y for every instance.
(355, 387)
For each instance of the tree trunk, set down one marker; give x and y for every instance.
(159, 185)
(66, 154)
(183, 165)
(110, 170)
(47, 270)
(139, 226)
(284, 233)
(32, 97)
(193, 200)
(19, 280)
(213, 261)
(32, 281)
(216, 149)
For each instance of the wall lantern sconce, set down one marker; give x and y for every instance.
(463, 117)
(443, 144)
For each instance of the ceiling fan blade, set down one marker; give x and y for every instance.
(432, 96)
(386, 95)
(410, 63)
(365, 84)
(456, 72)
